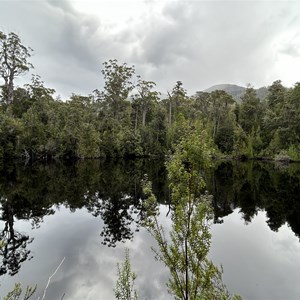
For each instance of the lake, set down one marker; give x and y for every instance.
(87, 213)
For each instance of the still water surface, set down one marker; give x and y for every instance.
(89, 212)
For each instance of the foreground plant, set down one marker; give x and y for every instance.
(15, 294)
(185, 248)
(124, 289)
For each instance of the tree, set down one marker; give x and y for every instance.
(275, 97)
(184, 252)
(201, 104)
(25, 98)
(250, 118)
(117, 86)
(250, 111)
(216, 110)
(144, 99)
(37, 90)
(273, 118)
(281, 120)
(13, 61)
(42, 128)
(289, 128)
(222, 118)
(176, 97)
(154, 135)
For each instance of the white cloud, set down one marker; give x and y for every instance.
(199, 42)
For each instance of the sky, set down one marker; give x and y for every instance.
(201, 43)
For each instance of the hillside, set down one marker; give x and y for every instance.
(237, 91)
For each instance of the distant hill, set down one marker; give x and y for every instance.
(262, 92)
(237, 91)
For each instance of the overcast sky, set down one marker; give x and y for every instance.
(201, 43)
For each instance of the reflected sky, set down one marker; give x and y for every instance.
(89, 270)
(258, 263)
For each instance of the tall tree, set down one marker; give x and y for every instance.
(176, 96)
(13, 61)
(117, 86)
(201, 104)
(250, 111)
(273, 118)
(250, 119)
(290, 117)
(144, 99)
(220, 111)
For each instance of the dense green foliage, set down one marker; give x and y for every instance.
(129, 118)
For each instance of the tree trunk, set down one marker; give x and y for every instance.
(170, 109)
(10, 92)
(186, 268)
(144, 117)
(136, 121)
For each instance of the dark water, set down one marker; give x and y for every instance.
(89, 212)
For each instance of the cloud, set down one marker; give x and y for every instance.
(67, 45)
(206, 43)
(201, 43)
(291, 46)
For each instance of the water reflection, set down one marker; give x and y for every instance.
(19, 200)
(13, 248)
(111, 191)
(255, 186)
(76, 211)
(258, 262)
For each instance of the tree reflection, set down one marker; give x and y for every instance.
(118, 201)
(116, 194)
(111, 191)
(108, 190)
(117, 217)
(21, 198)
(253, 186)
(13, 249)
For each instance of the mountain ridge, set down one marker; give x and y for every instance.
(237, 91)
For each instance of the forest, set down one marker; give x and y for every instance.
(130, 118)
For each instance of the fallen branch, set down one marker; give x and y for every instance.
(44, 295)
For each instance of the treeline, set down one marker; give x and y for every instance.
(129, 118)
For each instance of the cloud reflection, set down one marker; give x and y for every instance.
(258, 263)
